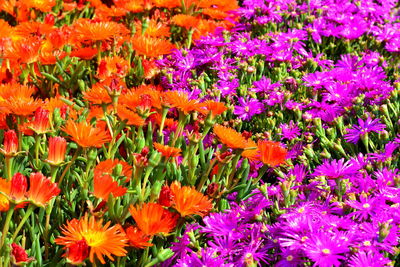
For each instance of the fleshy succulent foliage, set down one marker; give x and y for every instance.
(199, 133)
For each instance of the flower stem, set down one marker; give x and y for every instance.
(6, 226)
(22, 222)
(69, 166)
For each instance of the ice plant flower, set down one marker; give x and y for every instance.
(137, 238)
(271, 153)
(41, 123)
(101, 239)
(41, 189)
(10, 143)
(77, 252)
(188, 201)
(248, 108)
(364, 127)
(85, 135)
(104, 185)
(19, 255)
(230, 137)
(152, 218)
(18, 188)
(57, 149)
(167, 151)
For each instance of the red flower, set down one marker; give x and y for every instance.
(10, 143)
(19, 254)
(77, 252)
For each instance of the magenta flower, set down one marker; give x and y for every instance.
(354, 134)
(248, 108)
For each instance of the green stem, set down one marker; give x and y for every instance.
(22, 222)
(6, 226)
(9, 161)
(69, 165)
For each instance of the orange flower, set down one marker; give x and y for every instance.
(185, 21)
(111, 66)
(143, 97)
(91, 30)
(132, 118)
(180, 100)
(42, 5)
(151, 47)
(108, 166)
(86, 53)
(251, 154)
(137, 238)
(23, 51)
(85, 135)
(41, 189)
(10, 143)
(213, 107)
(154, 29)
(230, 137)
(152, 218)
(41, 123)
(97, 95)
(167, 151)
(271, 153)
(101, 240)
(5, 187)
(104, 185)
(21, 106)
(57, 149)
(187, 201)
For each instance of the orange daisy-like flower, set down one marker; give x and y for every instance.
(152, 218)
(185, 21)
(167, 151)
(151, 47)
(230, 137)
(154, 29)
(213, 107)
(251, 152)
(143, 97)
(22, 106)
(42, 5)
(180, 100)
(108, 166)
(271, 153)
(104, 185)
(101, 240)
(90, 30)
(23, 51)
(85, 135)
(86, 53)
(132, 118)
(97, 95)
(188, 201)
(41, 189)
(137, 238)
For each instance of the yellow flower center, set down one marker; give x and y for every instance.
(94, 238)
(326, 251)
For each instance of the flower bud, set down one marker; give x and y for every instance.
(165, 197)
(57, 149)
(77, 252)
(10, 143)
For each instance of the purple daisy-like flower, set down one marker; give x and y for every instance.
(369, 125)
(325, 250)
(336, 169)
(368, 258)
(365, 208)
(248, 108)
(289, 130)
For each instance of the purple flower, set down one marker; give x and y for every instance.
(354, 134)
(336, 169)
(324, 249)
(368, 258)
(248, 108)
(289, 131)
(365, 208)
